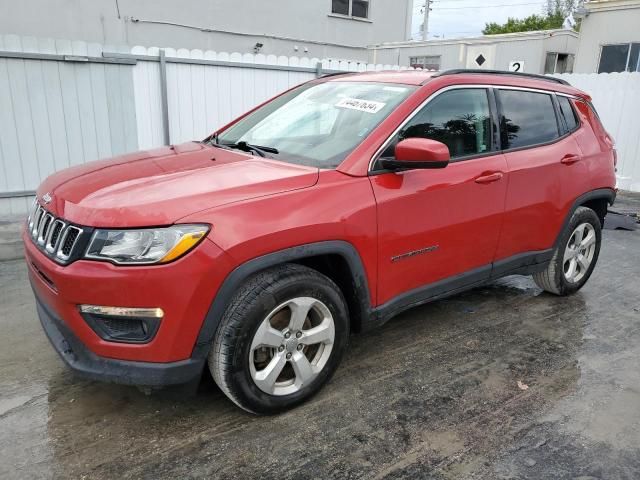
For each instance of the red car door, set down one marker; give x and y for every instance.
(436, 225)
(540, 154)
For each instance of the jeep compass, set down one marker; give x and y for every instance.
(254, 253)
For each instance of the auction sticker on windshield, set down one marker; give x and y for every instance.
(368, 106)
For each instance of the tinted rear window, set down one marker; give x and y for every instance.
(568, 113)
(528, 118)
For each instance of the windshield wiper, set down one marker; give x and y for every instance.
(249, 147)
(241, 145)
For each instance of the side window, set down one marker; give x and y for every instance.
(528, 118)
(460, 119)
(568, 113)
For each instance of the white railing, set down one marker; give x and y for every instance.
(616, 97)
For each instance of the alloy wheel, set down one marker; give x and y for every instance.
(579, 252)
(291, 346)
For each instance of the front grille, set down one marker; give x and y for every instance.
(52, 235)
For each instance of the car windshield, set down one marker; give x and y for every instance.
(316, 125)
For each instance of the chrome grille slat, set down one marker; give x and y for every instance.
(36, 221)
(52, 235)
(43, 231)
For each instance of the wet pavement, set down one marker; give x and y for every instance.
(503, 382)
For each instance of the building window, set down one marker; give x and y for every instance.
(558, 63)
(351, 8)
(425, 62)
(620, 58)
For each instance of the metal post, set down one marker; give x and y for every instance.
(318, 69)
(163, 94)
(425, 21)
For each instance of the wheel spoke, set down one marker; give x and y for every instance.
(571, 272)
(578, 234)
(323, 333)
(302, 368)
(299, 310)
(267, 336)
(266, 378)
(589, 240)
(583, 261)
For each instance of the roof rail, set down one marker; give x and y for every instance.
(501, 72)
(333, 74)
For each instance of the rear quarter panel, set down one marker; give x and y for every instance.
(597, 169)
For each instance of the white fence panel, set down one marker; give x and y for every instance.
(57, 113)
(616, 97)
(202, 98)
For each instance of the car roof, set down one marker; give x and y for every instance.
(457, 77)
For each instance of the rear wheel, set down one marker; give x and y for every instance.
(575, 256)
(280, 339)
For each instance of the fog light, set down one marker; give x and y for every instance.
(123, 324)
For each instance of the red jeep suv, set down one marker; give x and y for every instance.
(326, 210)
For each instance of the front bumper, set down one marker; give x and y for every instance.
(183, 289)
(89, 365)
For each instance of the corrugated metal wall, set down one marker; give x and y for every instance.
(54, 114)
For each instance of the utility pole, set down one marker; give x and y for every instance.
(425, 20)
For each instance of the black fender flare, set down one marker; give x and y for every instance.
(607, 194)
(239, 275)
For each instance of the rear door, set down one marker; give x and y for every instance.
(444, 223)
(540, 153)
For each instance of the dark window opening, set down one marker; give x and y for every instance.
(340, 7)
(558, 63)
(351, 8)
(620, 58)
(360, 9)
(528, 118)
(425, 62)
(568, 113)
(460, 119)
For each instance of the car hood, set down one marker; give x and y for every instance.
(158, 187)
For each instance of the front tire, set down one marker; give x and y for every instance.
(280, 339)
(575, 256)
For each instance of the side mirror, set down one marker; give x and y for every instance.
(418, 153)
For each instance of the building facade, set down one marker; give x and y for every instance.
(318, 28)
(609, 37)
(550, 51)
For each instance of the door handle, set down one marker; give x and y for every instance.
(570, 159)
(493, 177)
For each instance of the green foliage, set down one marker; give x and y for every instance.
(529, 24)
(556, 12)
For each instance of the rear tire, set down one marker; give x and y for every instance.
(575, 256)
(280, 339)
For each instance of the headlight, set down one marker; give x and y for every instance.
(145, 246)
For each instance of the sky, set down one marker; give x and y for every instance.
(466, 18)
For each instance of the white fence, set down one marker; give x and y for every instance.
(616, 97)
(64, 103)
(203, 96)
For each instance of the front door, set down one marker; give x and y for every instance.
(441, 225)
